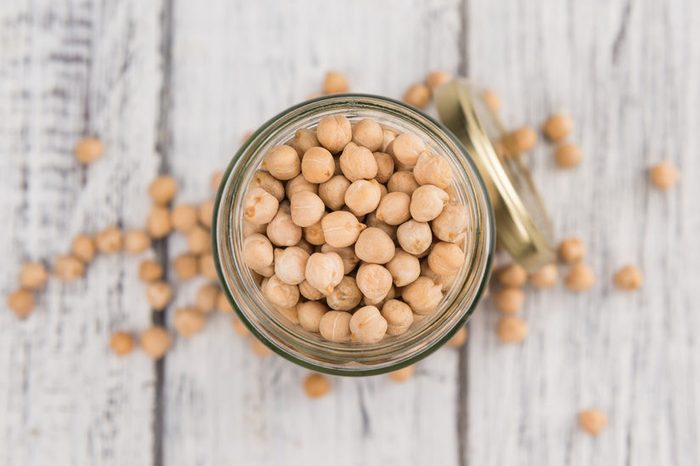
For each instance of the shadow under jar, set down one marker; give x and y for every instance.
(310, 349)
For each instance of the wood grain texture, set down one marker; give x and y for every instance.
(236, 64)
(628, 73)
(67, 69)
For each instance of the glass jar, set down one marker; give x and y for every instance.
(309, 349)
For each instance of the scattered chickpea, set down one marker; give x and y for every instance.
(402, 181)
(121, 343)
(398, 315)
(445, 258)
(404, 268)
(316, 385)
(417, 95)
(513, 275)
(317, 165)
(158, 223)
(414, 237)
(206, 297)
(509, 300)
(357, 163)
(88, 150)
(332, 192)
(374, 281)
(239, 327)
(33, 276)
(188, 321)
(21, 302)
(546, 277)
(183, 218)
(155, 341)
(150, 271)
(136, 241)
(335, 83)
(199, 240)
(406, 148)
(427, 202)
(664, 175)
(451, 224)
(374, 246)
(68, 268)
(437, 78)
(304, 139)
(362, 196)
(491, 99)
(368, 133)
(223, 304)
(433, 169)
(521, 140)
(163, 189)
(83, 247)
(567, 155)
(572, 250)
(282, 231)
(511, 329)
(259, 348)
(334, 132)
(159, 294)
(205, 213)
(423, 295)
(393, 208)
(341, 228)
(580, 277)
(279, 293)
(335, 326)
(269, 183)
(186, 266)
(367, 325)
(259, 206)
(282, 162)
(314, 234)
(593, 421)
(324, 271)
(628, 278)
(290, 265)
(110, 240)
(458, 339)
(402, 374)
(557, 127)
(207, 267)
(215, 180)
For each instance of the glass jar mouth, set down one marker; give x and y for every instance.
(305, 348)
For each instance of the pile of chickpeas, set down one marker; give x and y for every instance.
(353, 231)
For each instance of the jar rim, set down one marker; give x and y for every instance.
(484, 230)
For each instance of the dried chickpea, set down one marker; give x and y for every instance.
(310, 314)
(427, 202)
(459, 338)
(593, 421)
(545, 277)
(445, 258)
(309, 292)
(282, 231)
(345, 296)
(159, 295)
(423, 295)
(68, 268)
(404, 268)
(357, 163)
(580, 277)
(406, 148)
(259, 206)
(206, 297)
(33, 276)
(290, 265)
(567, 155)
(314, 234)
(324, 271)
(306, 246)
(417, 95)
(664, 175)
(414, 237)
(362, 196)
(628, 278)
(199, 240)
(155, 341)
(188, 321)
(150, 271)
(402, 181)
(89, 149)
(334, 132)
(391, 294)
(374, 281)
(332, 192)
(398, 315)
(83, 247)
(136, 241)
(279, 293)
(521, 140)
(388, 137)
(21, 302)
(282, 162)
(121, 343)
(299, 184)
(393, 208)
(269, 183)
(158, 222)
(437, 78)
(341, 228)
(186, 266)
(451, 224)
(372, 221)
(306, 208)
(512, 275)
(317, 385)
(511, 329)
(509, 300)
(207, 267)
(367, 325)
(335, 83)
(385, 166)
(215, 180)
(368, 133)
(163, 189)
(223, 304)
(335, 326)
(557, 127)
(304, 139)
(110, 240)
(317, 165)
(347, 254)
(433, 169)
(183, 218)
(572, 250)
(374, 246)
(266, 272)
(491, 99)
(403, 374)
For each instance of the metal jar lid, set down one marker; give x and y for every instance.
(523, 227)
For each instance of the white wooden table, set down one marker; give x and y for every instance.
(171, 85)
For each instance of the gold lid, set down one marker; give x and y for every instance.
(523, 227)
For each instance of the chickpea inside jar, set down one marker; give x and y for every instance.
(355, 243)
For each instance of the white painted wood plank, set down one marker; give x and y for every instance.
(628, 72)
(235, 65)
(69, 68)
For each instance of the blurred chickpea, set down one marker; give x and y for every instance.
(185, 266)
(159, 295)
(374, 246)
(664, 175)
(512, 274)
(335, 83)
(207, 267)
(239, 327)
(451, 224)
(68, 268)
(332, 192)
(368, 133)
(199, 240)
(628, 278)
(136, 241)
(545, 277)
(121, 343)
(406, 148)
(398, 316)
(223, 304)
(362, 196)
(521, 140)
(458, 339)
(557, 127)
(403, 374)
(163, 189)
(282, 231)
(21, 302)
(259, 206)
(310, 314)
(110, 240)
(205, 213)
(367, 325)
(341, 229)
(404, 268)
(304, 139)
(215, 180)
(374, 281)
(309, 292)
(357, 163)
(509, 300)
(188, 321)
(572, 250)
(299, 184)
(282, 162)
(427, 202)
(593, 421)
(317, 385)
(314, 234)
(83, 247)
(88, 150)
(33, 276)
(433, 169)
(259, 348)
(155, 341)
(511, 329)
(290, 265)
(580, 277)
(335, 326)
(491, 99)
(150, 271)
(567, 155)
(417, 95)
(393, 208)
(345, 296)
(437, 78)
(206, 297)
(334, 132)
(269, 183)
(183, 218)
(423, 295)
(324, 271)
(414, 237)
(402, 181)
(317, 165)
